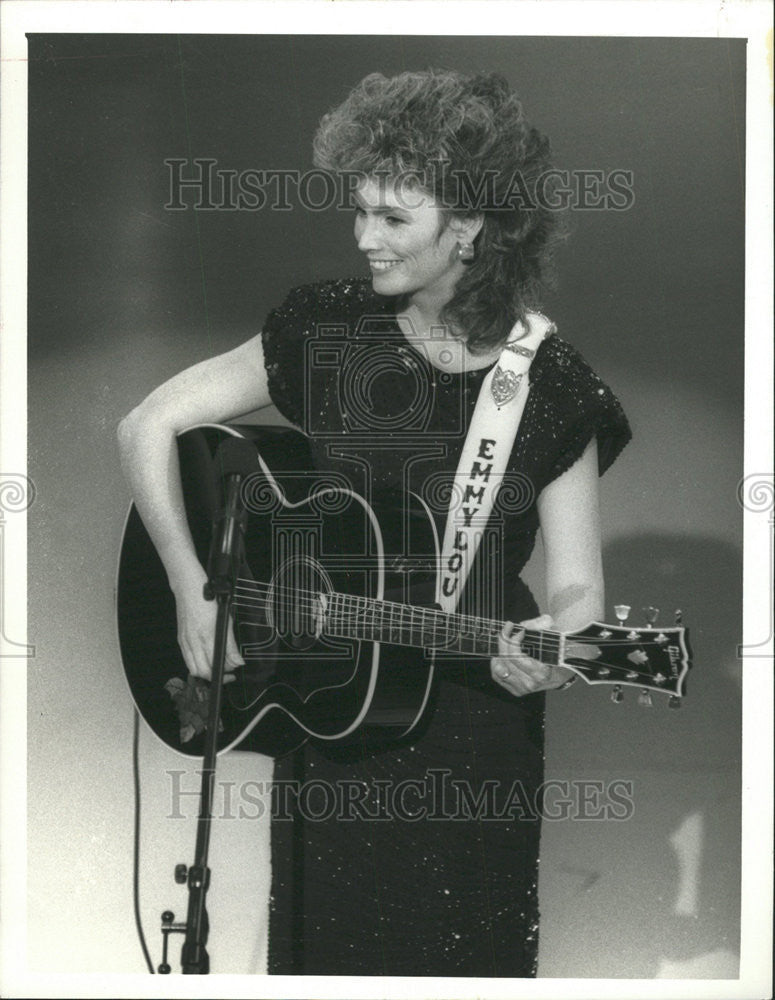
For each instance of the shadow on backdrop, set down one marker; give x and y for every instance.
(658, 894)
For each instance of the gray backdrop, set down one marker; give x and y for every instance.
(123, 293)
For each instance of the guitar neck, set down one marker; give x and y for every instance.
(649, 657)
(352, 617)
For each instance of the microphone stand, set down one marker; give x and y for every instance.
(226, 554)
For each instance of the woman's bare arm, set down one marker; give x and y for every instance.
(569, 515)
(212, 391)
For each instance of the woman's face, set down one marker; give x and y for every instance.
(400, 231)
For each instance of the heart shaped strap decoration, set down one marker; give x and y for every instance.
(504, 385)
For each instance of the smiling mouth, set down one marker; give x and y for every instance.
(383, 265)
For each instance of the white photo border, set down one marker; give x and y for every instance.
(654, 18)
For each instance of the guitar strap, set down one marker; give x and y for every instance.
(483, 460)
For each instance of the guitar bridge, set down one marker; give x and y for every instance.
(406, 564)
(319, 612)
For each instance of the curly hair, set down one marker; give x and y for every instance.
(465, 140)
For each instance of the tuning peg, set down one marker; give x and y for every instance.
(651, 615)
(622, 612)
(644, 698)
(678, 616)
(617, 695)
(674, 702)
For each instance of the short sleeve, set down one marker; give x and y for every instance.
(569, 406)
(283, 336)
(338, 304)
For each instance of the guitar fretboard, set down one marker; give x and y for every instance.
(352, 617)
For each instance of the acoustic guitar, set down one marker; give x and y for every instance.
(334, 613)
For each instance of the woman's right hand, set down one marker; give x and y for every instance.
(209, 392)
(196, 630)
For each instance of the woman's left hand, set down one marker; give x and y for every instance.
(521, 674)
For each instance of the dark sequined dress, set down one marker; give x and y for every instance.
(434, 872)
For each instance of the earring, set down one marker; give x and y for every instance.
(465, 252)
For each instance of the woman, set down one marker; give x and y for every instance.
(451, 216)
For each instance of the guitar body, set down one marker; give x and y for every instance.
(305, 534)
(334, 612)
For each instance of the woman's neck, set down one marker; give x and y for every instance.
(435, 341)
(428, 303)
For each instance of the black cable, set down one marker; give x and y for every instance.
(136, 865)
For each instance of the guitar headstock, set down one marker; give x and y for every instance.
(648, 658)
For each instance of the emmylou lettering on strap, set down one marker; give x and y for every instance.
(485, 454)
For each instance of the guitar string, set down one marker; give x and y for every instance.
(395, 609)
(417, 620)
(438, 636)
(300, 597)
(441, 644)
(477, 647)
(407, 615)
(400, 614)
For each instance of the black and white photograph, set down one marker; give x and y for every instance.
(387, 407)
